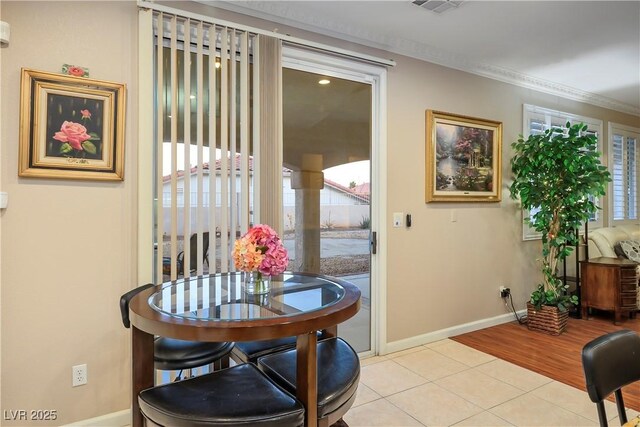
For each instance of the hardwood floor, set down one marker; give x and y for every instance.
(557, 357)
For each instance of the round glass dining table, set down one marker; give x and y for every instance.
(217, 308)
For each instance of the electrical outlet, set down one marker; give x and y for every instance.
(79, 375)
(504, 292)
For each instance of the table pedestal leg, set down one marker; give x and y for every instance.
(307, 376)
(142, 370)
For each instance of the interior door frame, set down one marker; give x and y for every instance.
(303, 59)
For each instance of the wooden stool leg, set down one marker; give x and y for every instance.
(224, 362)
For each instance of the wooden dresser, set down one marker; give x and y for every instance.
(609, 284)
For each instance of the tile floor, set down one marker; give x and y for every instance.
(447, 383)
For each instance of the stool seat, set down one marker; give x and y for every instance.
(172, 354)
(251, 351)
(338, 374)
(236, 396)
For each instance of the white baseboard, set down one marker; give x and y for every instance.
(114, 419)
(418, 340)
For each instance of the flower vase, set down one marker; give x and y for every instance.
(256, 283)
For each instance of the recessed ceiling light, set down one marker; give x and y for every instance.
(324, 81)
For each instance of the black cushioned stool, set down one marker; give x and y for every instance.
(338, 375)
(174, 355)
(171, 354)
(236, 396)
(251, 351)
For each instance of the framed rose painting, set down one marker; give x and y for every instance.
(71, 127)
(463, 158)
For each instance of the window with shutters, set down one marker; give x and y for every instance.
(538, 119)
(624, 166)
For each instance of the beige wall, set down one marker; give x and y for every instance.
(462, 263)
(68, 248)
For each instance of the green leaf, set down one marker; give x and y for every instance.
(94, 136)
(65, 148)
(89, 147)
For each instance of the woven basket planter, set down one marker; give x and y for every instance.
(547, 319)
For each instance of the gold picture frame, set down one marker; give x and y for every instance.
(71, 127)
(463, 158)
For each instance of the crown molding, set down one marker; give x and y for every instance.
(282, 13)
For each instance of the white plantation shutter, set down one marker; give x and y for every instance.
(625, 162)
(536, 124)
(633, 160)
(535, 121)
(617, 176)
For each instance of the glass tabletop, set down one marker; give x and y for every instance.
(221, 297)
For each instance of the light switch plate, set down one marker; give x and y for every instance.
(4, 200)
(5, 33)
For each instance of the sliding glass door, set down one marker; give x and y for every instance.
(327, 183)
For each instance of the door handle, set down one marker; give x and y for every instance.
(373, 243)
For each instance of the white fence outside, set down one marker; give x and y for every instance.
(333, 216)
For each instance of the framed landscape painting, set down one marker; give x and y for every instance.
(71, 127)
(463, 158)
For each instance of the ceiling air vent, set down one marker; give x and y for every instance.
(437, 6)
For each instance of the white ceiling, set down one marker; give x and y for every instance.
(583, 50)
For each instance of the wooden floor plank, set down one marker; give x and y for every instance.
(556, 357)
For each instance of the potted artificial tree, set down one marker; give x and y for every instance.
(557, 175)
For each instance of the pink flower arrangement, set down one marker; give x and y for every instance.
(260, 249)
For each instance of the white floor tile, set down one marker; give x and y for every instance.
(530, 410)
(574, 400)
(463, 354)
(379, 413)
(388, 377)
(434, 406)
(484, 419)
(515, 375)
(430, 364)
(479, 388)
(365, 395)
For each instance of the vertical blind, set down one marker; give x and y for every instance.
(203, 97)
